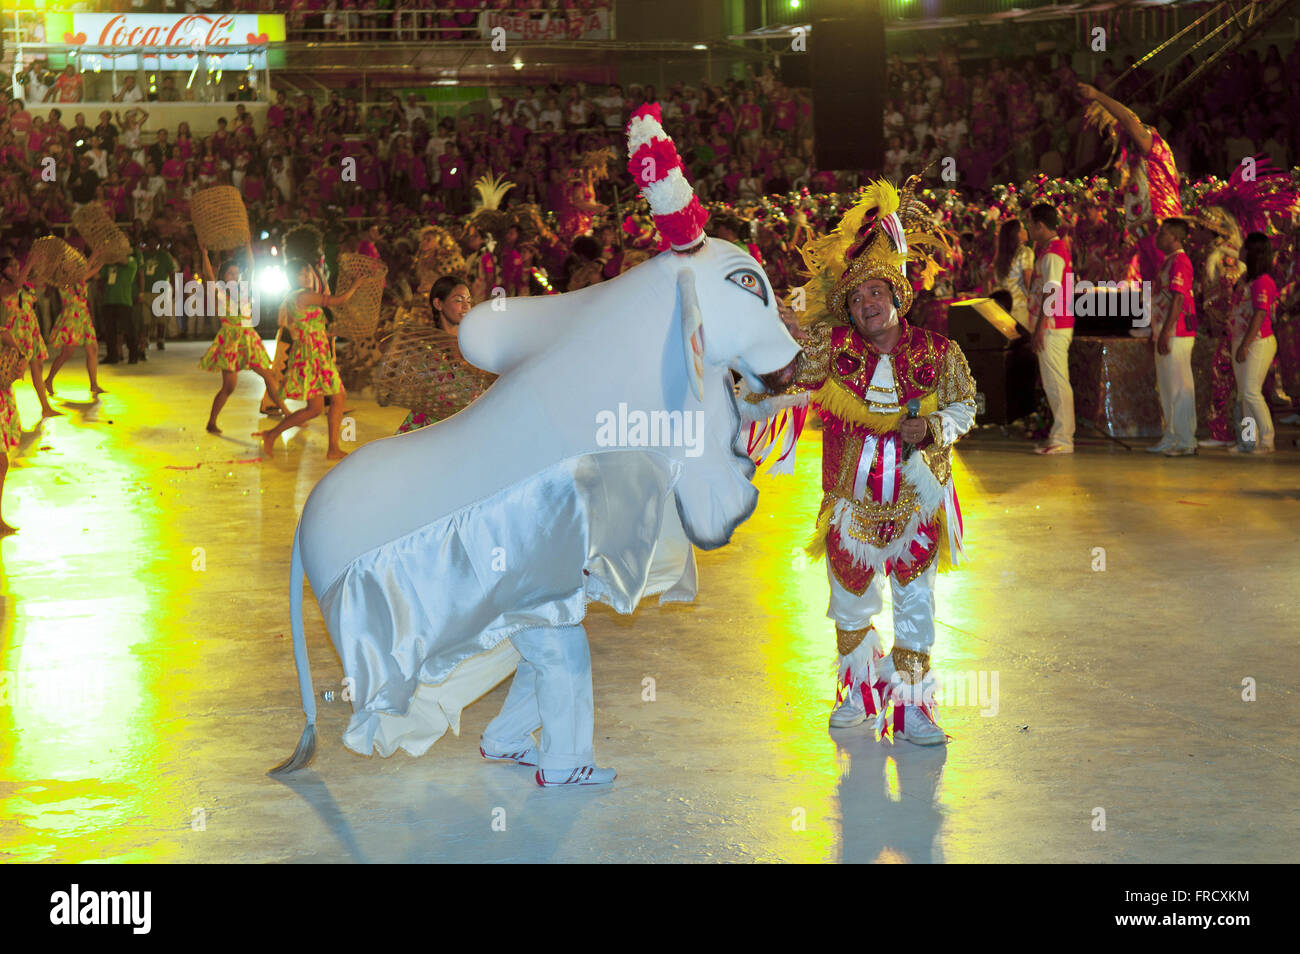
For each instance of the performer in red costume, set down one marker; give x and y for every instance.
(1147, 163)
(893, 399)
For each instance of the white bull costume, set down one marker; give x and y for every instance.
(442, 557)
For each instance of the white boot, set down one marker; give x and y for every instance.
(912, 719)
(858, 675)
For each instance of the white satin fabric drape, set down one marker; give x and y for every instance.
(422, 623)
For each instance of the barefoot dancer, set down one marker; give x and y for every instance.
(237, 346)
(74, 327)
(19, 304)
(306, 243)
(312, 373)
(10, 431)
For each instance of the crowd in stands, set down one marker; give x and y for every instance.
(1001, 121)
(397, 167)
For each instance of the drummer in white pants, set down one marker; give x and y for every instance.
(1253, 344)
(551, 691)
(1053, 315)
(1174, 328)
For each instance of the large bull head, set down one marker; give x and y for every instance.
(728, 320)
(661, 340)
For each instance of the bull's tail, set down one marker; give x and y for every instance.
(302, 755)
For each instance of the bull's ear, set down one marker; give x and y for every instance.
(692, 330)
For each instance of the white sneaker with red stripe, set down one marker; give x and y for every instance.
(523, 752)
(584, 775)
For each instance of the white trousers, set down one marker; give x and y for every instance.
(1177, 393)
(1054, 366)
(913, 608)
(551, 691)
(1250, 386)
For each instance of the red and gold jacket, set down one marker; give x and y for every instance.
(881, 512)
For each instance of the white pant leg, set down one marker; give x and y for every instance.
(914, 610)
(1054, 366)
(1183, 398)
(1164, 391)
(519, 717)
(1250, 377)
(565, 702)
(854, 612)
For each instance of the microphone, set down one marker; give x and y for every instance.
(913, 411)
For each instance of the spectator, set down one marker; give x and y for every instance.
(68, 87)
(129, 93)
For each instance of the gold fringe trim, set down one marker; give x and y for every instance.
(816, 548)
(945, 558)
(846, 405)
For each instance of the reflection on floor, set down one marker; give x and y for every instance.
(1112, 608)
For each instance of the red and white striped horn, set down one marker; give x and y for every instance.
(657, 168)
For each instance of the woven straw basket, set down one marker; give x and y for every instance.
(56, 262)
(220, 219)
(95, 226)
(12, 366)
(46, 254)
(359, 317)
(71, 269)
(423, 371)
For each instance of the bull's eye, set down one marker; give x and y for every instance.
(749, 280)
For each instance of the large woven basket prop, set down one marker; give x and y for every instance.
(72, 269)
(12, 366)
(46, 255)
(220, 219)
(359, 316)
(93, 222)
(56, 262)
(423, 371)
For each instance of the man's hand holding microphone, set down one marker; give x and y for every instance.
(912, 428)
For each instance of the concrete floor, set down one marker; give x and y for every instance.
(149, 679)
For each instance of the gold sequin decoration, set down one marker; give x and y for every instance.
(848, 640)
(955, 383)
(849, 455)
(869, 523)
(918, 358)
(814, 361)
(907, 577)
(908, 663)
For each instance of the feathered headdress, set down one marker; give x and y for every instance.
(1262, 203)
(491, 190)
(883, 231)
(597, 160)
(657, 168)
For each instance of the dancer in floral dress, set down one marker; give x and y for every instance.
(237, 347)
(74, 327)
(18, 306)
(312, 374)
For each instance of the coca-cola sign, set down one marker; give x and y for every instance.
(145, 32)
